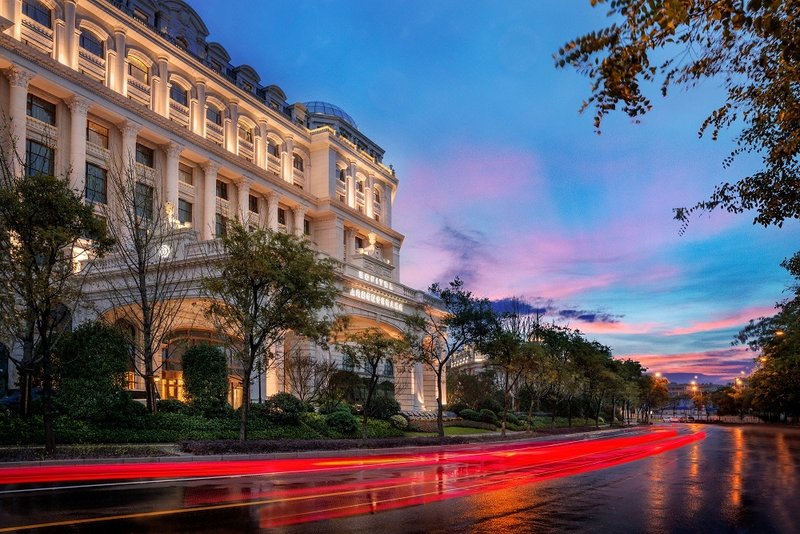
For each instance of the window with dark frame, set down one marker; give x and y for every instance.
(184, 212)
(306, 227)
(221, 225)
(96, 184)
(138, 70)
(40, 109)
(37, 11)
(254, 204)
(185, 175)
(91, 43)
(179, 94)
(145, 155)
(214, 115)
(281, 216)
(297, 162)
(143, 197)
(96, 134)
(274, 150)
(222, 190)
(39, 158)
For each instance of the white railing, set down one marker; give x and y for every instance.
(92, 66)
(138, 92)
(273, 164)
(223, 207)
(246, 149)
(214, 132)
(145, 174)
(98, 152)
(179, 113)
(36, 35)
(48, 132)
(299, 178)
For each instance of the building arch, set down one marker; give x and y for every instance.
(99, 31)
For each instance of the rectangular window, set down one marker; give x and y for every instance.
(41, 109)
(281, 216)
(359, 242)
(222, 190)
(37, 11)
(274, 150)
(144, 155)
(143, 201)
(96, 184)
(179, 94)
(221, 226)
(91, 43)
(96, 134)
(214, 115)
(184, 212)
(137, 71)
(253, 204)
(185, 174)
(297, 162)
(306, 227)
(245, 133)
(39, 158)
(360, 186)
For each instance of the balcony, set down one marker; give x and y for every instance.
(37, 35)
(97, 152)
(178, 113)
(92, 66)
(145, 174)
(246, 149)
(273, 164)
(47, 132)
(214, 132)
(299, 178)
(139, 92)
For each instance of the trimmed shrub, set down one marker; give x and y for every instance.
(491, 404)
(382, 408)
(343, 422)
(398, 421)
(512, 419)
(457, 407)
(284, 409)
(470, 415)
(172, 406)
(205, 375)
(487, 416)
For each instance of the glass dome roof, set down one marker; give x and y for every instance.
(325, 108)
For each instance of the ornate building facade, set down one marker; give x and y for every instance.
(86, 81)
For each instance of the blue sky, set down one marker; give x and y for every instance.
(504, 183)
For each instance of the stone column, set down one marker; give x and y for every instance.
(351, 185)
(119, 82)
(368, 199)
(299, 216)
(287, 156)
(272, 211)
(198, 116)
(163, 92)
(418, 387)
(243, 200)
(260, 141)
(68, 50)
(170, 194)
(232, 127)
(127, 165)
(18, 80)
(79, 107)
(388, 197)
(349, 243)
(15, 15)
(209, 200)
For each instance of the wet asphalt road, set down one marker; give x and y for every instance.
(737, 479)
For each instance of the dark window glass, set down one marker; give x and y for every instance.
(144, 155)
(245, 133)
(37, 11)
(185, 174)
(221, 226)
(253, 204)
(91, 43)
(360, 186)
(41, 109)
(297, 162)
(141, 16)
(359, 242)
(96, 184)
(306, 227)
(143, 201)
(179, 94)
(97, 134)
(39, 158)
(184, 212)
(342, 176)
(282, 216)
(222, 190)
(274, 150)
(181, 42)
(214, 115)
(137, 70)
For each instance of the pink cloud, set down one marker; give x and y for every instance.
(621, 327)
(722, 363)
(736, 320)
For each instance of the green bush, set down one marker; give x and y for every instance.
(382, 429)
(382, 408)
(511, 418)
(491, 404)
(457, 407)
(470, 415)
(487, 416)
(284, 408)
(205, 375)
(343, 422)
(399, 422)
(172, 406)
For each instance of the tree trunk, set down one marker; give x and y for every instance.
(245, 405)
(505, 406)
(439, 404)
(25, 391)
(47, 401)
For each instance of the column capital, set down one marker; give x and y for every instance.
(299, 210)
(210, 167)
(120, 30)
(242, 181)
(79, 105)
(129, 128)
(19, 77)
(270, 195)
(173, 149)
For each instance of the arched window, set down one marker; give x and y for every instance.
(181, 43)
(388, 369)
(92, 43)
(36, 10)
(274, 149)
(297, 162)
(245, 133)
(214, 115)
(376, 197)
(179, 94)
(138, 70)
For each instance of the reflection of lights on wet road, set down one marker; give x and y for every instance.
(294, 491)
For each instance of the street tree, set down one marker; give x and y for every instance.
(752, 48)
(205, 377)
(653, 394)
(457, 320)
(46, 231)
(142, 277)
(369, 350)
(263, 285)
(309, 377)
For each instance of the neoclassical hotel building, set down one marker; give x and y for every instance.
(88, 80)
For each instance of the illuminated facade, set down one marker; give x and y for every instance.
(86, 81)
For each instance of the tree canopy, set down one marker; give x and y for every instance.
(751, 47)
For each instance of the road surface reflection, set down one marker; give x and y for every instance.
(293, 491)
